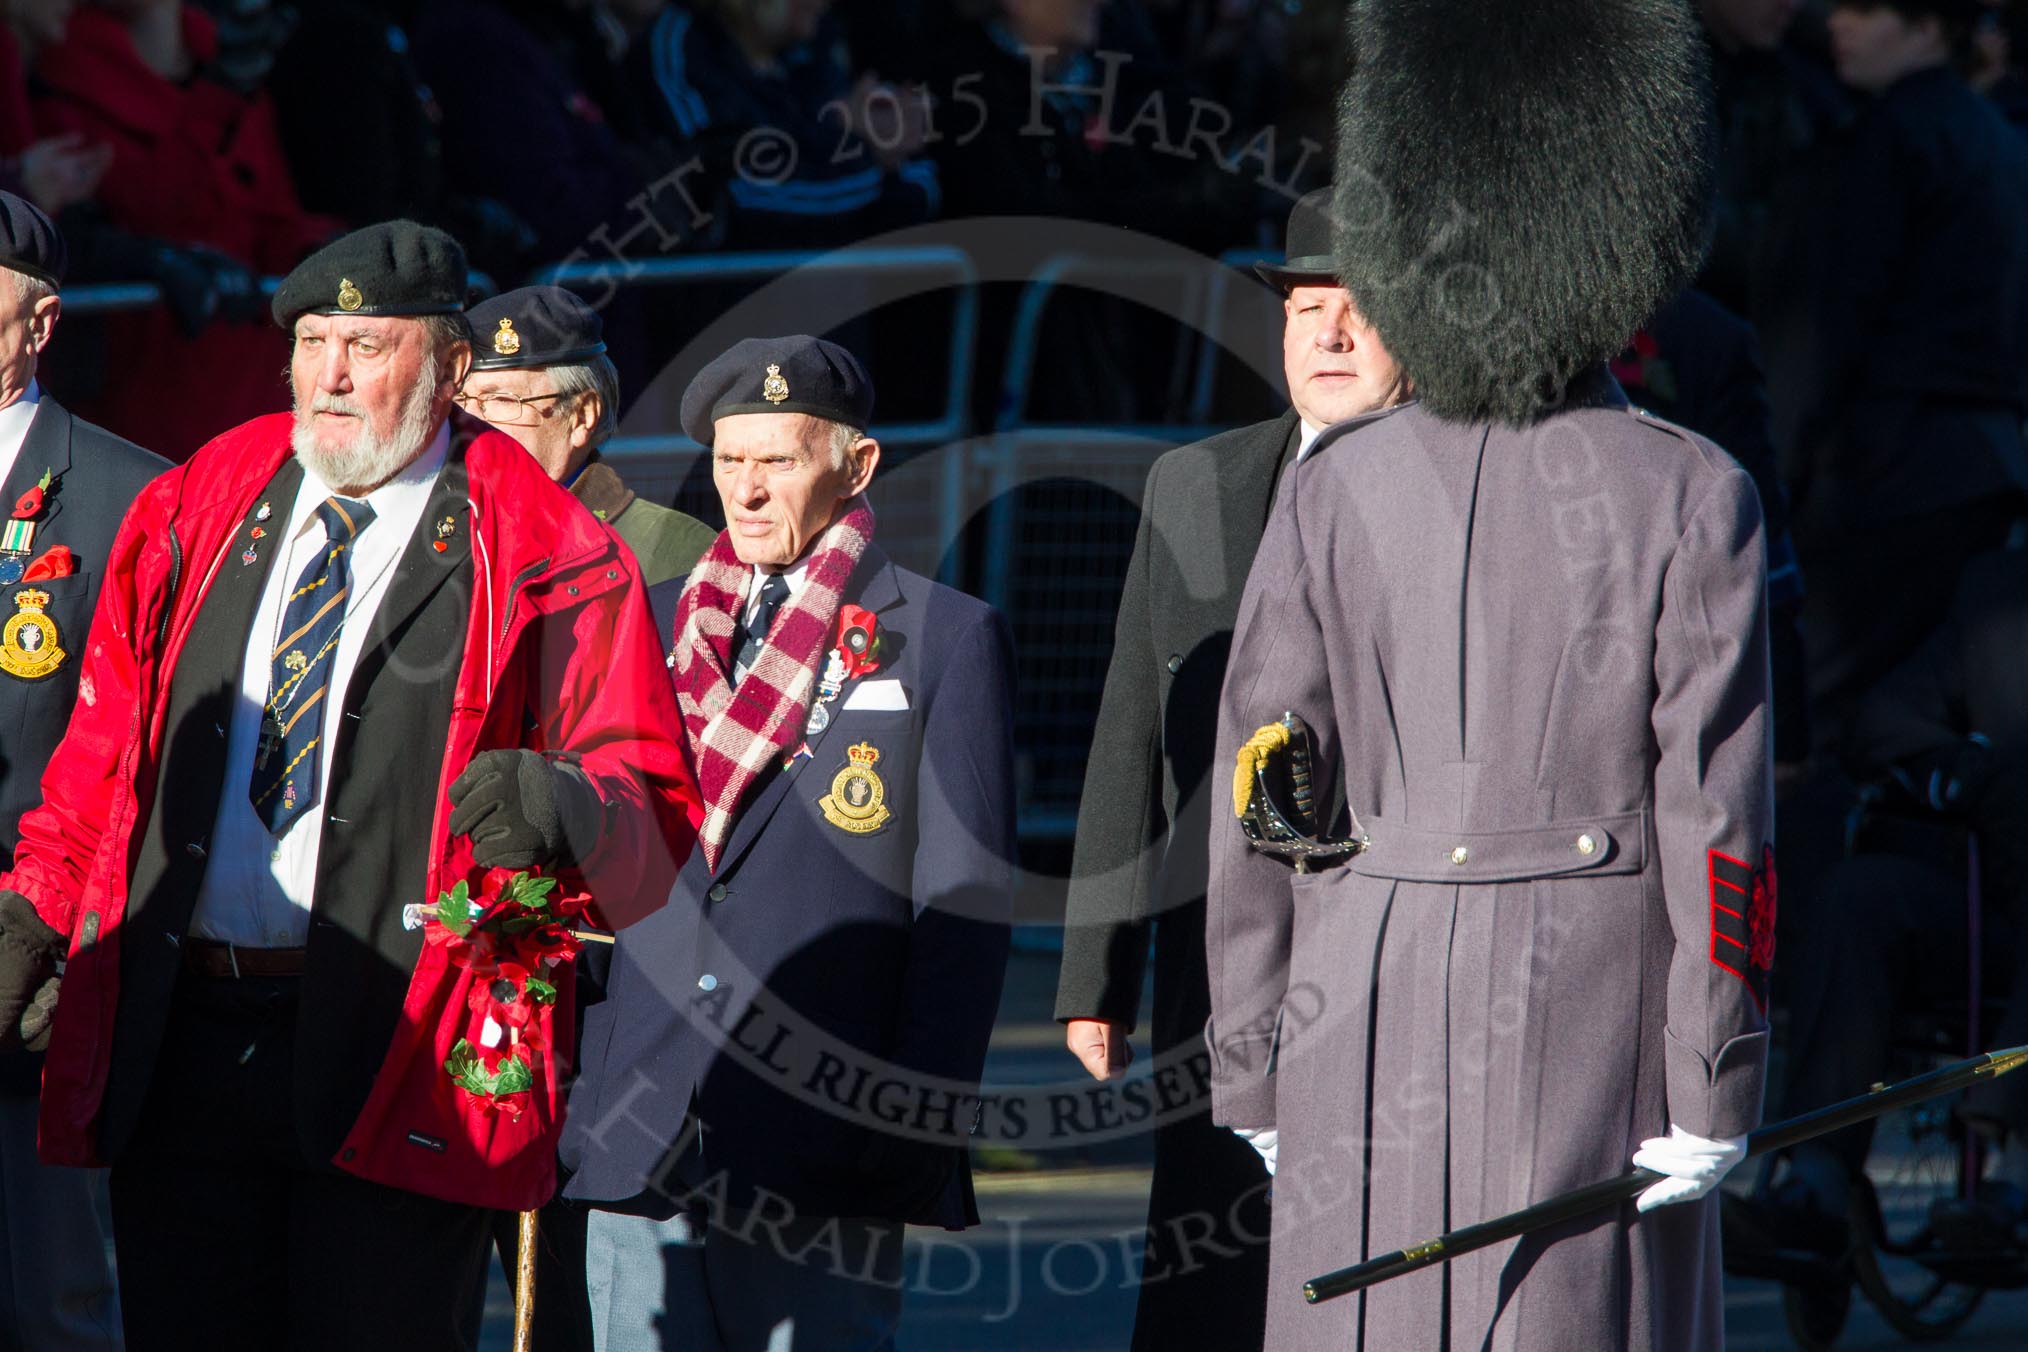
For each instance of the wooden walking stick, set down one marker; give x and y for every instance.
(524, 1284)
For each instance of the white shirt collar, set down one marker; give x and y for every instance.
(401, 498)
(1308, 439)
(14, 421)
(795, 576)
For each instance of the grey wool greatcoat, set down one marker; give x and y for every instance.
(1538, 660)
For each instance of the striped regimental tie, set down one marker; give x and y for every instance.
(285, 781)
(753, 637)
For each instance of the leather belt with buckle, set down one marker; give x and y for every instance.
(207, 957)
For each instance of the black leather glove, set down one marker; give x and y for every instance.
(237, 290)
(523, 810)
(29, 951)
(40, 1015)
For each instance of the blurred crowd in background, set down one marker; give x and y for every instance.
(1859, 337)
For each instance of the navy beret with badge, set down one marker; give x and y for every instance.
(30, 241)
(534, 326)
(393, 268)
(797, 374)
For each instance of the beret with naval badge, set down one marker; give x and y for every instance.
(29, 241)
(393, 268)
(797, 374)
(534, 326)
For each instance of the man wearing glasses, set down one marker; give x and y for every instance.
(540, 374)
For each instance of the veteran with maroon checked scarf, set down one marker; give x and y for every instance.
(335, 668)
(1528, 625)
(842, 923)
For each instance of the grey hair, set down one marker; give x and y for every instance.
(445, 332)
(30, 291)
(597, 376)
(843, 435)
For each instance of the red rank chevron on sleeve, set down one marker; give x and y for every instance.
(1743, 919)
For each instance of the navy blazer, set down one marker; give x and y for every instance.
(94, 478)
(809, 1020)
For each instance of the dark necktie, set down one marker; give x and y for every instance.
(285, 781)
(773, 593)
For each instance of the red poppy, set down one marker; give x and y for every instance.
(29, 505)
(547, 943)
(503, 997)
(509, 1104)
(858, 642)
(476, 951)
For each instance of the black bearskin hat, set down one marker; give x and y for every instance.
(1521, 183)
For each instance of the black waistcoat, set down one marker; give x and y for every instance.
(387, 749)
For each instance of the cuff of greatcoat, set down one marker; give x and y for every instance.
(1718, 1099)
(1242, 1078)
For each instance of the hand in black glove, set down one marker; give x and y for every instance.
(29, 951)
(37, 1019)
(523, 810)
(234, 284)
(187, 289)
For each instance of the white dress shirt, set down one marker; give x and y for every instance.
(258, 888)
(14, 421)
(1307, 439)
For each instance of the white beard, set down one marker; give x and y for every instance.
(367, 461)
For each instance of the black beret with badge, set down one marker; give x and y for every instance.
(1309, 258)
(393, 268)
(29, 241)
(534, 326)
(797, 374)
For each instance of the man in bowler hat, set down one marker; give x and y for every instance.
(1140, 862)
(1527, 626)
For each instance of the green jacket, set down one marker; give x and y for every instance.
(667, 543)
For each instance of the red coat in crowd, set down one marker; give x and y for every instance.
(194, 163)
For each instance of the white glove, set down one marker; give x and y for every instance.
(1262, 1139)
(1693, 1164)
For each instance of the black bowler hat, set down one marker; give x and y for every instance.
(393, 268)
(29, 241)
(797, 374)
(1309, 257)
(534, 326)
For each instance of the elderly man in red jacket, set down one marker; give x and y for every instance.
(337, 669)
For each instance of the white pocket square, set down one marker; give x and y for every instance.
(877, 695)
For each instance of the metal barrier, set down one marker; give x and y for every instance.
(1197, 294)
(1064, 507)
(774, 265)
(1058, 506)
(108, 298)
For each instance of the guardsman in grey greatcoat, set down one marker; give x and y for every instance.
(1150, 783)
(1527, 624)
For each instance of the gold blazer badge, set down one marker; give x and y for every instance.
(30, 647)
(858, 800)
